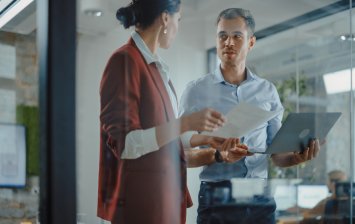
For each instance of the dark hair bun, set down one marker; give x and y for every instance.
(126, 16)
(144, 12)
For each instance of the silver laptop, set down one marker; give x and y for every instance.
(298, 129)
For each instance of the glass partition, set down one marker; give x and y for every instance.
(303, 48)
(19, 114)
(311, 66)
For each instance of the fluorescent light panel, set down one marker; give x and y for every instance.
(338, 82)
(5, 3)
(13, 11)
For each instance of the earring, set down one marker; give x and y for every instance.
(165, 31)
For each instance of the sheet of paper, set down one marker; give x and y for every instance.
(241, 120)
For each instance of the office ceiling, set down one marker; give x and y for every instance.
(266, 12)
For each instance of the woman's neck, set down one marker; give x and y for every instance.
(150, 38)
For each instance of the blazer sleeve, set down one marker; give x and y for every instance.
(119, 98)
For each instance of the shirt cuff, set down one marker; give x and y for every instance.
(149, 139)
(186, 138)
(139, 143)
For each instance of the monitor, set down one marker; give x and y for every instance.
(309, 195)
(343, 189)
(285, 197)
(12, 155)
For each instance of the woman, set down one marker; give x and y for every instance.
(142, 177)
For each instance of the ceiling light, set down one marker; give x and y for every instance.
(14, 9)
(347, 37)
(93, 12)
(93, 8)
(338, 82)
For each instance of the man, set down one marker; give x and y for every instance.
(334, 177)
(229, 85)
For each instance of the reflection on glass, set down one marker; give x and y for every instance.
(19, 135)
(311, 71)
(309, 195)
(339, 82)
(297, 60)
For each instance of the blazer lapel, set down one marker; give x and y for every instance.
(154, 72)
(166, 100)
(169, 112)
(162, 90)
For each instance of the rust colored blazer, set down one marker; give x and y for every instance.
(151, 189)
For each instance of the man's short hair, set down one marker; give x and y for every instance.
(337, 174)
(233, 13)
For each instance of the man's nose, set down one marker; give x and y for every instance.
(229, 41)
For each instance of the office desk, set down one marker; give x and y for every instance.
(254, 211)
(293, 219)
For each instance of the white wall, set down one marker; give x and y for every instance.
(92, 54)
(187, 61)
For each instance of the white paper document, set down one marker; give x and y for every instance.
(241, 120)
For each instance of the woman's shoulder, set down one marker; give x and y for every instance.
(127, 51)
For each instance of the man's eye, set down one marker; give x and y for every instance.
(223, 37)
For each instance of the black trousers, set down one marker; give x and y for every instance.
(216, 206)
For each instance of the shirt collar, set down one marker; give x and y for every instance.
(146, 52)
(218, 76)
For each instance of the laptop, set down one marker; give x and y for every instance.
(297, 131)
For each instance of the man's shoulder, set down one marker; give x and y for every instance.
(202, 81)
(263, 81)
(258, 77)
(198, 86)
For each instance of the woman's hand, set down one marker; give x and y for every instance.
(205, 120)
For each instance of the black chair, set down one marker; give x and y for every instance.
(337, 211)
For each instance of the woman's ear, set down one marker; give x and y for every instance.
(164, 19)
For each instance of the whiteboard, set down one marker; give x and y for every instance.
(7, 61)
(7, 106)
(12, 155)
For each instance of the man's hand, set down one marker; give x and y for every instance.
(232, 150)
(214, 142)
(308, 153)
(294, 158)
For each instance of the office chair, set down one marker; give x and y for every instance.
(337, 211)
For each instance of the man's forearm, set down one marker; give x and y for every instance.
(199, 157)
(283, 160)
